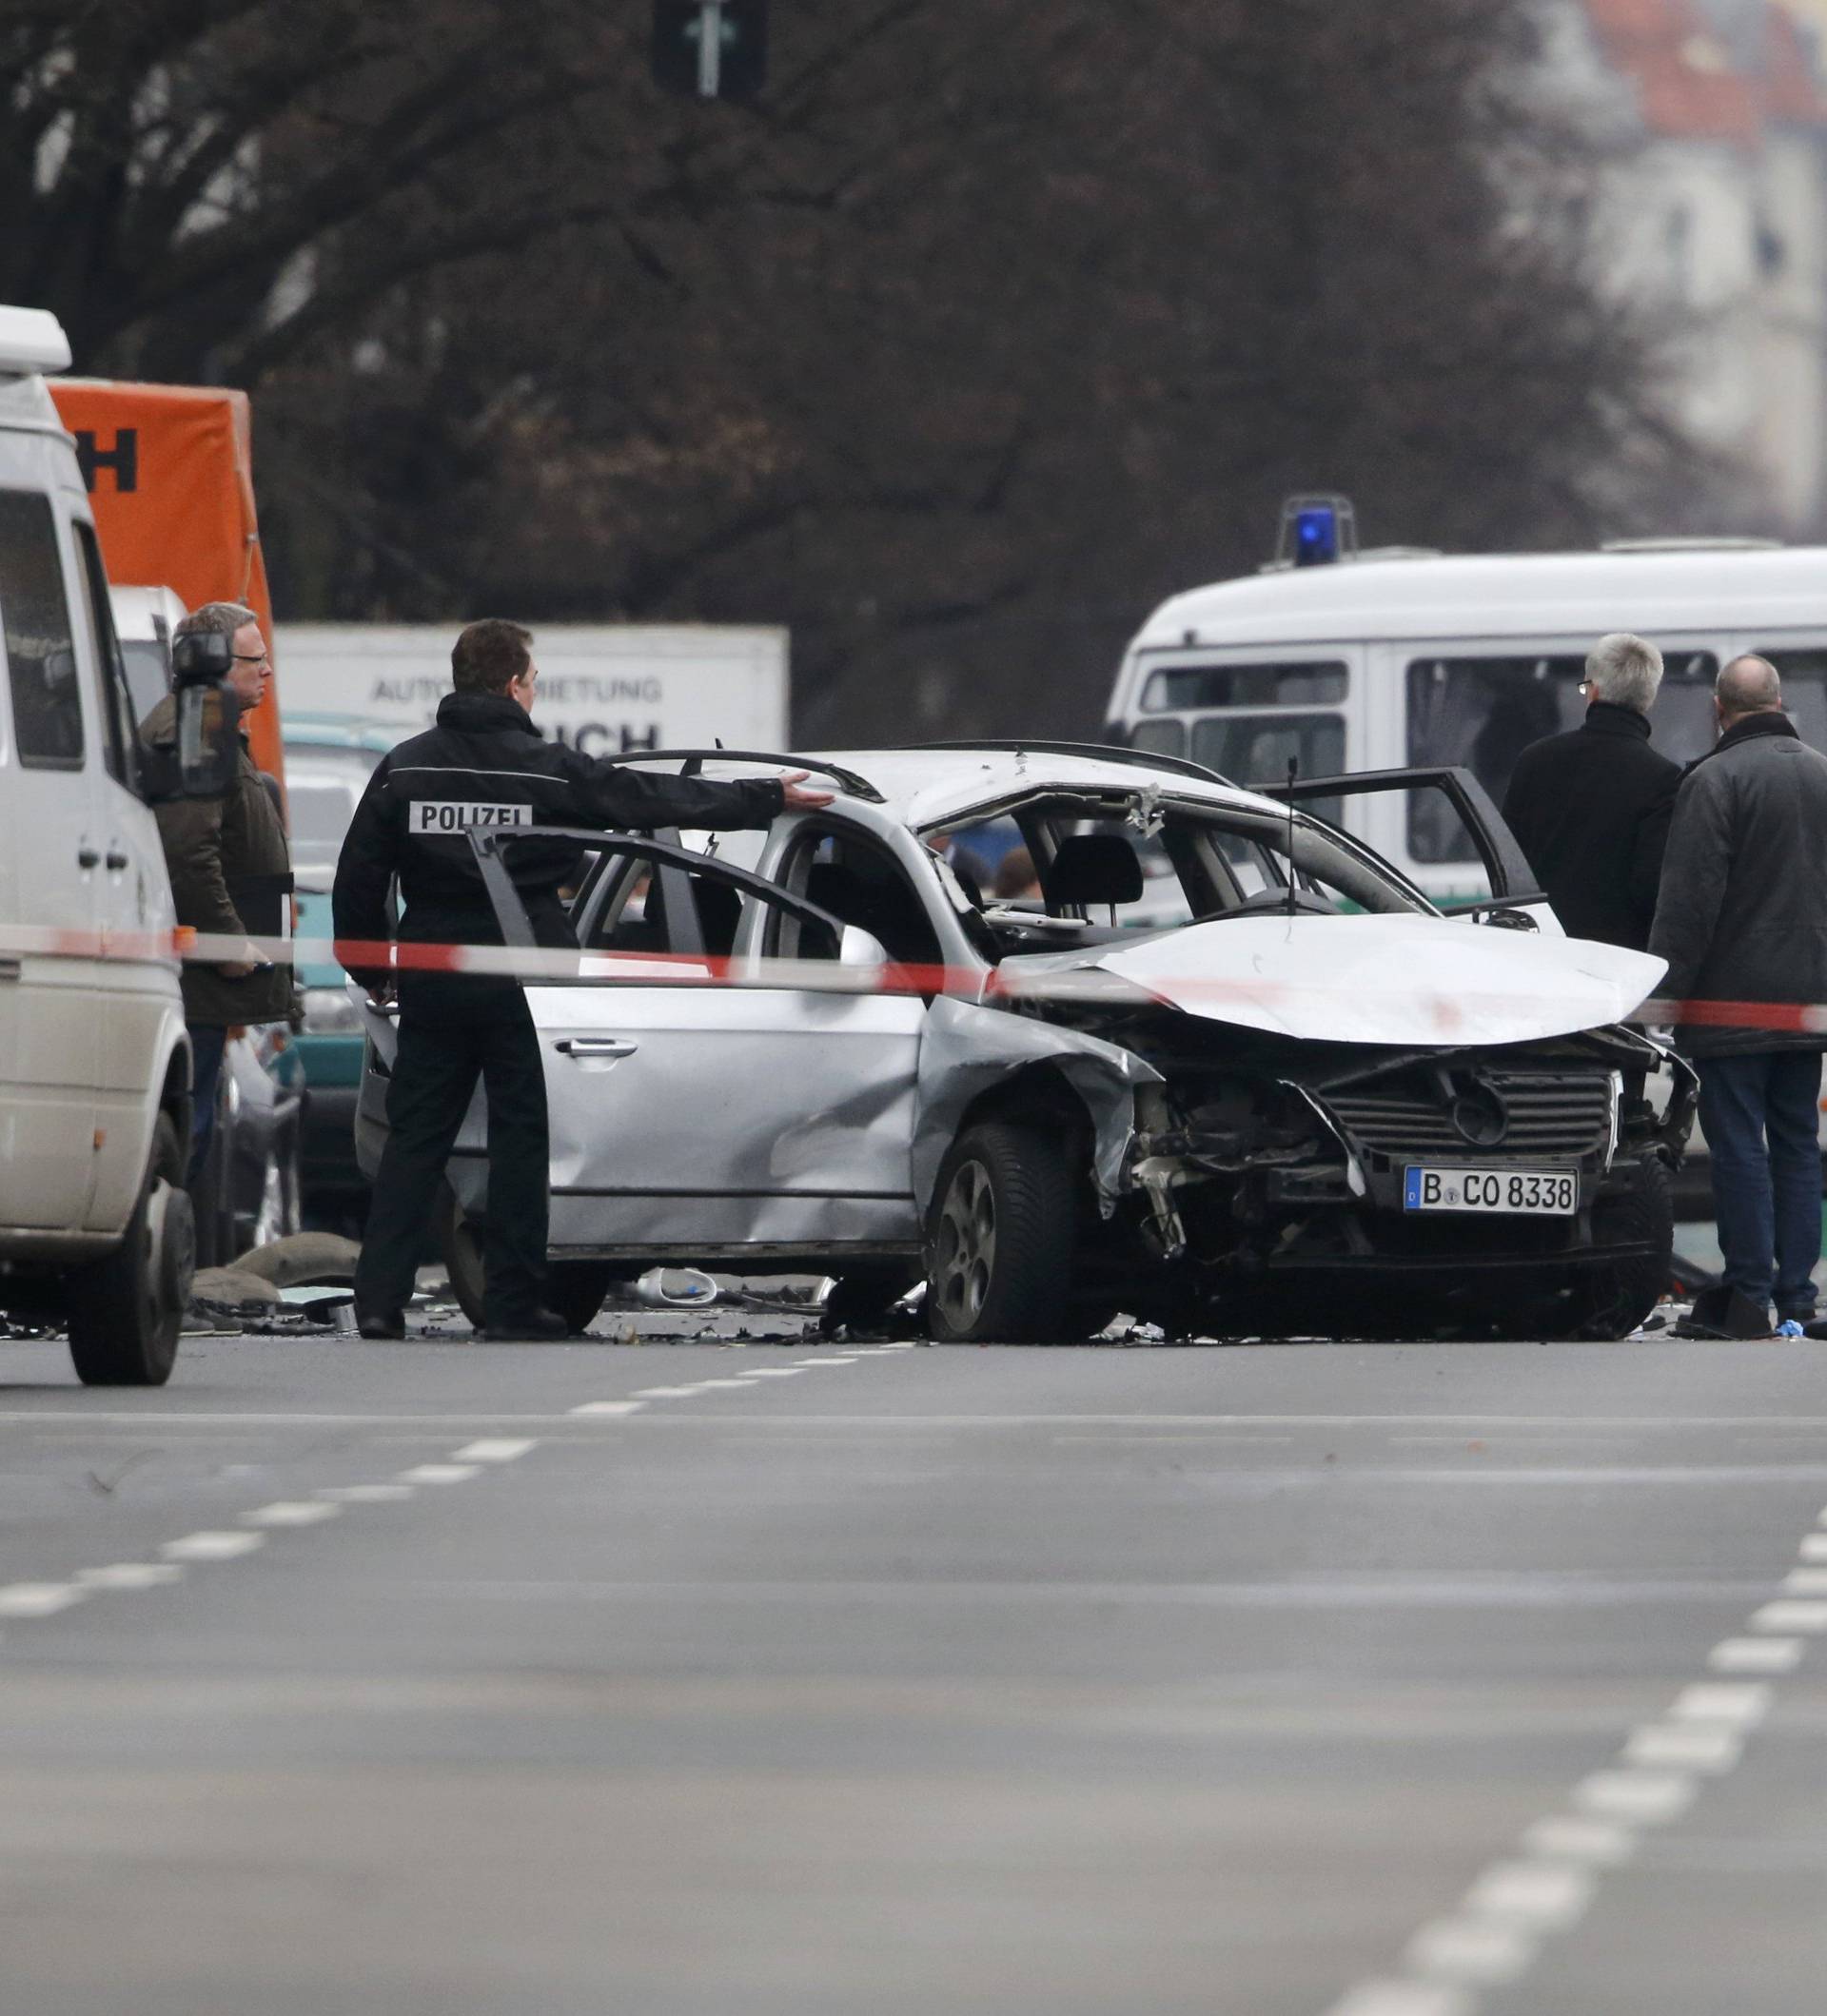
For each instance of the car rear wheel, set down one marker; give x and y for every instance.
(126, 1311)
(1000, 1238)
(576, 1287)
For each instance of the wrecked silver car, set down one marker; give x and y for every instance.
(1235, 1074)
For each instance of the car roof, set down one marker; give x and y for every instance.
(1659, 587)
(303, 732)
(924, 787)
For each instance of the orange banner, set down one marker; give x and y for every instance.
(169, 470)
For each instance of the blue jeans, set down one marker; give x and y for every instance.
(1760, 1113)
(207, 1039)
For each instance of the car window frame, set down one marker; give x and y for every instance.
(490, 845)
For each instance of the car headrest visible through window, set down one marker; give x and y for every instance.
(1092, 867)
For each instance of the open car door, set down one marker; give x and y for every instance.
(1513, 882)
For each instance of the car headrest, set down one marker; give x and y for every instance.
(1094, 867)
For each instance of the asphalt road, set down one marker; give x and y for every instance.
(1402, 1680)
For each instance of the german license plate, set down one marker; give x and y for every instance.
(1535, 1193)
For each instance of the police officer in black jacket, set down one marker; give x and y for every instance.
(485, 763)
(1591, 807)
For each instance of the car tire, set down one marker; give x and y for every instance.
(126, 1311)
(1616, 1296)
(460, 1246)
(1000, 1237)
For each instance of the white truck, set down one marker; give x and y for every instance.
(603, 688)
(95, 1228)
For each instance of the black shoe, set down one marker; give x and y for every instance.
(1722, 1313)
(379, 1324)
(536, 1327)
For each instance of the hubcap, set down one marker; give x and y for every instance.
(966, 1255)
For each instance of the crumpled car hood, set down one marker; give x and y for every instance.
(1378, 980)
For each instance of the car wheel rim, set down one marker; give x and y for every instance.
(967, 1245)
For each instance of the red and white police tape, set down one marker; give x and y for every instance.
(1450, 1011)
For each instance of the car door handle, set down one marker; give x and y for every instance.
(595, 1047)
(88, 857)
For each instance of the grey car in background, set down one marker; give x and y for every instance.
(1285, 1094)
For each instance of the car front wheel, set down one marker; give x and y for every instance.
(1000, 1238)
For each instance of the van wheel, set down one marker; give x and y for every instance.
(1000, 1238)
(126, 1311)
(459, 1245)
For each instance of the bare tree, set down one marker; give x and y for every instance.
(990, 325)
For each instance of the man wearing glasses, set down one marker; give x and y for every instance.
(1591, 807)
(231, 873)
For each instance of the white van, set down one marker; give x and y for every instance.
(1380, 661)
(95, 1230)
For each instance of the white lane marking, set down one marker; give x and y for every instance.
(611, 1408)
(366, 1493)
(1683, 1745)
(130, 1574)
(1744, 1706)
(440, 1474)
(212, 1546)
(38, 1599)
(1403, 1997)
(1569, 1840)
(1814, 1547)
(1806, 1582)
(292, 1512)
(774, 1372)
(493, 1450)
(663, 1393)
(1545, 1894)
(710, 1385)
(1639, 1797)
(1486, 1951)
(1786, 1616)
(1756, 1656)
(806, 1364)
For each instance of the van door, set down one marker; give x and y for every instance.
(137, 995)
(50, 1045)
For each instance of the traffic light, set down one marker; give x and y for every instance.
(711, 48)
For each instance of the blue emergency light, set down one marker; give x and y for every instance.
(1316, 531)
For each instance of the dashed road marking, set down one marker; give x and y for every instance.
(1404, 1997)
(611, 1408)
(212, 1546)
(1786, 1616)
(366, 1493)
(38, 1599)
(130, 1574)
(1571, 1840)
(1806, 1582)
(656, 1393)
(493, 1450)
(1683, 1745)
(1814, 1547)
(1487, 1952)
(440, 1474)
(1756, 1656)
(292, 1512)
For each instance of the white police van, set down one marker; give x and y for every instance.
(1383, 660)
(95, 1230)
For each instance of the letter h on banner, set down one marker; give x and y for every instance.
(123, 457)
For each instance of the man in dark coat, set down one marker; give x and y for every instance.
(1591, 807)
(1743, 917)
(231, 873)
(485, 763)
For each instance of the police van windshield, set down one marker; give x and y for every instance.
(1483, 710)
(1276, 711)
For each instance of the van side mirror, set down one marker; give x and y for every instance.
(203, 760)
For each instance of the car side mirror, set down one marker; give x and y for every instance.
(859, 947)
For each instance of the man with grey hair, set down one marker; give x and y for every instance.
(1590, 808)
(232, 873)
(1743, 919)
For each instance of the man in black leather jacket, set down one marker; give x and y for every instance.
(484, 763)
